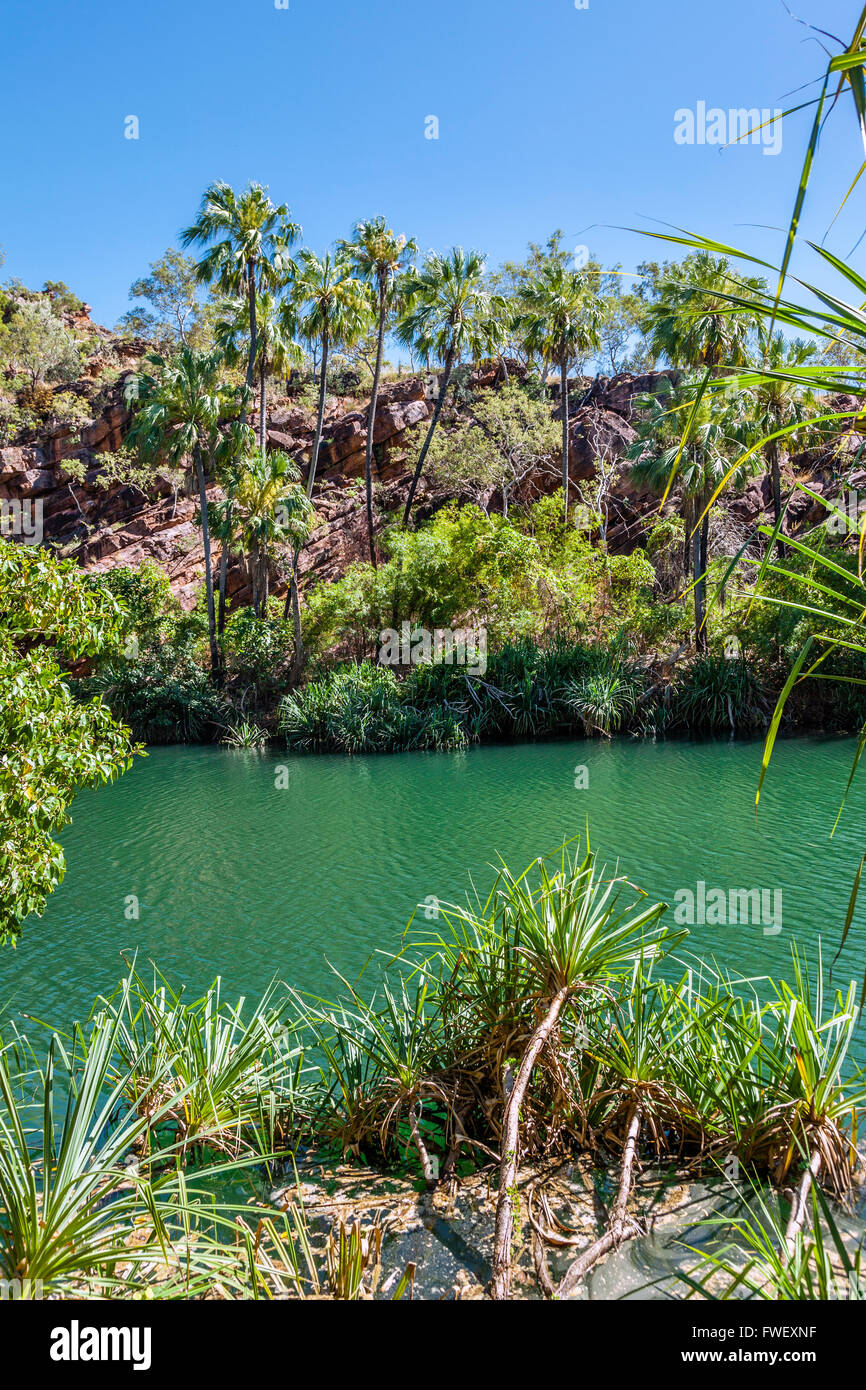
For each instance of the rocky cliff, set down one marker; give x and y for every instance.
(61, 466)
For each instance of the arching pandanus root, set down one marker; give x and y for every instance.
(431, 1177)
(500, 1283)
(798, 1207)
(621, 1226)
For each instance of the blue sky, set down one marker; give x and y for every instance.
(549, 116)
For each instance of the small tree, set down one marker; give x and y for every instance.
(510, 436)
(173, 291)
(36, 344)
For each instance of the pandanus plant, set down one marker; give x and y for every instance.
(560, 934)
(648, 1067)
(382, 1059)
(809, 1127)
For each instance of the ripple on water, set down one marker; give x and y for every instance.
(235, 875)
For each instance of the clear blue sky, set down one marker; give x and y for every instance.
(549, 116)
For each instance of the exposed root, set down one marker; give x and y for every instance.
(621, 1227)
(500, 1283)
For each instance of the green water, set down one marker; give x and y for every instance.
(238, 876)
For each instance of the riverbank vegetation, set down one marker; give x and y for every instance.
(556, 1017)
(636, 591)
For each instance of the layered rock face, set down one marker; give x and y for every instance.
(58, 472)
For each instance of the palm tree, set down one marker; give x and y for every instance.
(379, 257)
(779, 401)
(276, 352)
(248, 240)
(449, 312)
(268, 507)
(693, 322)
(701, 453)
(181, 405)
(331, 307)
(560, 317)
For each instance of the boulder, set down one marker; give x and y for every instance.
(20, 459)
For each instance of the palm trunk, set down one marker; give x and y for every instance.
(618, 1226)
(292, 597)
(264, 585)
(208, 573)
(371, 427)
(776, 480)
(422, 457)
(563, 370)
(500, 1284)
(224, 569)
(314, 462)
(251, 298)
(700, 630)
(263, 409)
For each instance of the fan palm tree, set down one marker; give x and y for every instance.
(269, 507)
(182, 402)
(699, 457)
(691, 322)
(560, 316)
(277, 350)
(248, 240)
(449, 312)
(379, 257)
(330, 306)
(778, 402)
(333, 309)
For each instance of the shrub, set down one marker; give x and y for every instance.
(715, 693)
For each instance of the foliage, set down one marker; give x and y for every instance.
(177, 315)
(35, 344)
(50, 744)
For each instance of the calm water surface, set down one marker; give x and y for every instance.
(239, 876)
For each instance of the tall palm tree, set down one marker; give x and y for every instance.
(330, 306)
(269, 507)
(449, 312)
(380, 257)
(692, 321)
(702, 456)
(276, 352)
(779, 401)
(182, 402)
(248, 240)
(560, 317)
